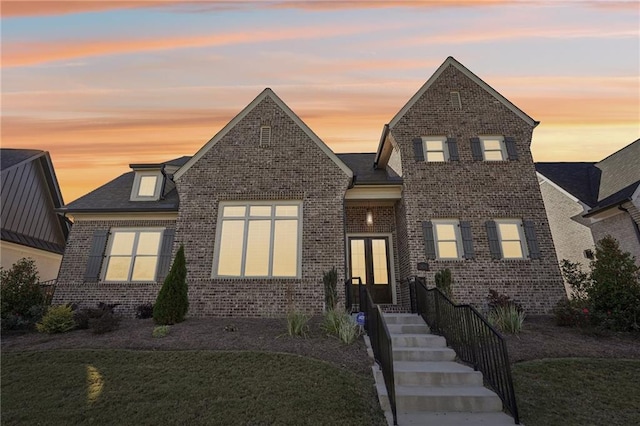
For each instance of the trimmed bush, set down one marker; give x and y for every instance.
(172, 303)
(22, 301)
(144, 311)
(58, 319)
(105, 323)
(160, 331)
(297, 324)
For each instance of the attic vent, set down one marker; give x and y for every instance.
(455, 101)
(265, 136)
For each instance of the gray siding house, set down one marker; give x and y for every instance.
(30, 226)
(264, 208)
(587, 201)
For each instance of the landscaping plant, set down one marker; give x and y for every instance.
(160, 331)
(505, 313)
(330, 280)
(58, 319)
(444, 281)
(297, 324)
(144, 311)
(22, 300)
(172, 303)
(609, 294)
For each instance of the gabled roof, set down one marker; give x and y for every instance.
(450, 61)
(365, 172)
(625, 194)
(10, 157)
(579, 179)
(265, 93)
(114, 196)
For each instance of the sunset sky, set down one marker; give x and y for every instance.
(101, 85)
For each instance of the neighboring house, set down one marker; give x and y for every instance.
(30, 226)
(265, 208)
(587, 201)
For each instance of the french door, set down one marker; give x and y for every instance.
(369, 260)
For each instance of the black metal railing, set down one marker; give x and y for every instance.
(351, 294)
(378, 333)
(475, 341)
(48, 288)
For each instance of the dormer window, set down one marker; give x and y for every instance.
(146, 185)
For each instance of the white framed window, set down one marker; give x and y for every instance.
(493, 148)
(258, 239)
(447, 239)
(146, 186)
(435, 148)
(512, 239)
(132, 255)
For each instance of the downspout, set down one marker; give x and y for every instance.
(635, 224)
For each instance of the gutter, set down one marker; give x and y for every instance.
(636, 227)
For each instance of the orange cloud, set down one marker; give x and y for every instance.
(32, 53)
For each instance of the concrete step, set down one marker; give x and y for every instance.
(433, 373)
(407, 340)
(409, 328)
(475, 399)
(423, 354)
(454, 419)
(403, 319)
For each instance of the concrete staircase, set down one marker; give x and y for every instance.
(432, 389)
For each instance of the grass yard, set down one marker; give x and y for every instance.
(181, 387)
(578, 391)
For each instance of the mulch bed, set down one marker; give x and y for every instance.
(219, 334)
(541, 338)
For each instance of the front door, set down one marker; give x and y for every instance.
(369, 260)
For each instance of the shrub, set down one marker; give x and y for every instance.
(331, 322)
(160, 331)
(22, 299)
(611, 289)
(498, 300)
(571, 313)
(172, 303)
(297, 324)
(330, 280)
(348, 331)
(508, 319)
(105, 323)
(58, 319)
(144, 311)
(444, 281)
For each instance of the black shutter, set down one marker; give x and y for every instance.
(96, 254)
(494, 241)
(476, 149)
(467, 240)
(164, 262)
(512, 150)
(532, 240)
(452, 144)
(429, 243)
(418, 150)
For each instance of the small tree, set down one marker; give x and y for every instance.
(22, 298)
(443, 282)
(614, 291)
(330, 279)
(172, 303)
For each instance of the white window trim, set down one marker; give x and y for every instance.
(265, 136)
(136, 186)
(248, 204)
(458, 235)
(107, 253)
(445, 148)
(503, 148)
(523, 240)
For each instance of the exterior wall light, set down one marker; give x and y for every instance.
(369, 218)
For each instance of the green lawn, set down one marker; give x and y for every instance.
(181, 387)
(578, 391)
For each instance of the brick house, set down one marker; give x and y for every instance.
(587, 201)
(265, 208)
